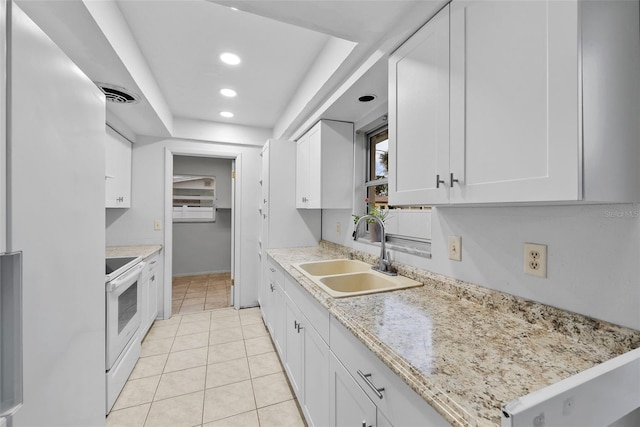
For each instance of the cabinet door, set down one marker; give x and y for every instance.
(349, 406)
(152, 308)
(419, 116)
(314, 182)
(278, 315)
(302, 172)
(294, 347)
(316, 379)
(117, 171)
(514, 101)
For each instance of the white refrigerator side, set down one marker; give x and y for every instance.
(56, 215)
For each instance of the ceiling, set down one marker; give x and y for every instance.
(300, 58)
(182, 41)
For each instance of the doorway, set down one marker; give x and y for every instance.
(200, 231)
(202, 214)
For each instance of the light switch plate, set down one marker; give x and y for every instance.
(535, 259)
(455, 248)
(157, 225)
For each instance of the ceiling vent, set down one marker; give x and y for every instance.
(117, 94)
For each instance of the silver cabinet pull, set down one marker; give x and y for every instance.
(273, 270)
(297, 326)
(271, 286)
(376, 390)
(451, 180)
(439, 181)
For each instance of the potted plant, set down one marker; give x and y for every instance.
(374, 227)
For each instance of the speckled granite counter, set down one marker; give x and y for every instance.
(143, 251)
(466, 350)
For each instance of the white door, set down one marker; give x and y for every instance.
(294, 346)
(419, 116)
(316, 389)
(314, 182)
(234, 289)
(302, 172)
(514, 101)
(3, 129)
(56, 217)
(349, 405)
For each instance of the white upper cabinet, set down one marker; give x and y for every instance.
(324, 166)
(538, 108)
(419, 115)
(117, 178)
(514, 95)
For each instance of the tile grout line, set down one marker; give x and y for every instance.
(153, 399)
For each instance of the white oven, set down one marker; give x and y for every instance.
(123, 297)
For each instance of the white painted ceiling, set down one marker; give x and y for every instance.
(167, 52)
(182, 41)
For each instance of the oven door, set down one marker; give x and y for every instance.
(123, 314)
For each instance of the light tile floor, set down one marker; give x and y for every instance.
(192, 294)
(211, 369)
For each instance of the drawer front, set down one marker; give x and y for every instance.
(275, 273)
(315, 313)
(151, 266)
(392, 396)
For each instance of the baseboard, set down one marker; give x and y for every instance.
(201, 273)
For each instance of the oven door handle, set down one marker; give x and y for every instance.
(125, 279)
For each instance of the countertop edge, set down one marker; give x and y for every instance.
(143, 251)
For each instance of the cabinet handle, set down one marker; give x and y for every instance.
(451, 180)
(376, 390)
(271, 286)
(299, 327)
(438, 181)
(273, 270)
(295, 324)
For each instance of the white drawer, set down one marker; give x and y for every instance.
(275, 273)
(398, 402)
(317, 315)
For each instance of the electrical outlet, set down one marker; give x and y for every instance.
(535, 259)
(157, 225)
(338, 228)
(455, 248)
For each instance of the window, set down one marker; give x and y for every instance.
(378, 176)
(408, 228)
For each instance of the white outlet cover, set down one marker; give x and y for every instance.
(455, 248)
(535, 259)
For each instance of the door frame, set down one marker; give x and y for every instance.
(236, 214)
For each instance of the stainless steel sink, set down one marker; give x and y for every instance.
(344, 278)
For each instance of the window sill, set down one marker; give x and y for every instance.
(421, 249)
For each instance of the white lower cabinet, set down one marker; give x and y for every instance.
(150, 280)
(349, 405)
(333, 375)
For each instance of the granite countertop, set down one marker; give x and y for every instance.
(465, 349)
(143, 251)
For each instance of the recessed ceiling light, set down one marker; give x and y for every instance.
(367, 98)
(230, 58)
(228, 92)
(226, 114)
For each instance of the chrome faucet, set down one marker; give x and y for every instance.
(385, 263)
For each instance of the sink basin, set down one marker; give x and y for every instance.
(364, 283)
(338, 266)
(344, 278)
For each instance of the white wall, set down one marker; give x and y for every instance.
(204, 247)
(135, 226)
